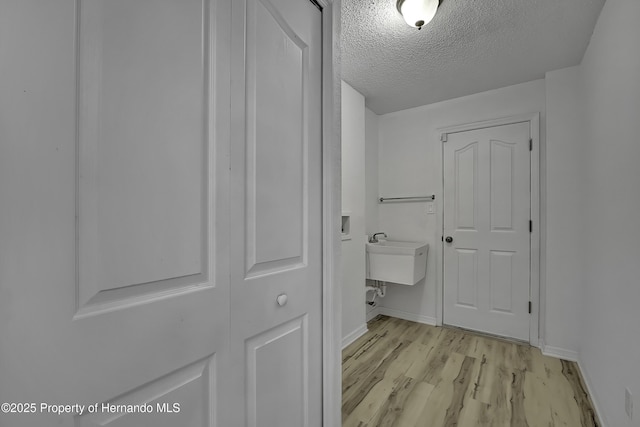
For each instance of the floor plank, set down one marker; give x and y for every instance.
(360, 385)
(406, 374)
(415, 402)
(395, 404)
(460, 386)
(435, 410)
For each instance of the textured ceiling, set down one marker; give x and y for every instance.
(470, 46)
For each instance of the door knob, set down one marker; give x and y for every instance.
(448, 239)
(281, 299)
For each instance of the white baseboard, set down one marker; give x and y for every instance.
(594, 401)
(407, 316)
(558, 352)
(572, 356)
(373, 313)
(351, 337)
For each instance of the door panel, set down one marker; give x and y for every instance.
(142, 141)
(487, 212)
(501, 267)
(276, 358)
(275, 210)
(118, 291)
(189, 391)
(466, 186)
(467, 277)
(277, 72)
(502, 157)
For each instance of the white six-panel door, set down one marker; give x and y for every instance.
(276, 212)
(112, 291)
(486, 230)
(118, 280)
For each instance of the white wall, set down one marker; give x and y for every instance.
(564, 255)
(353, 201)
(371, 171)
(610, 315)
(371, 184)
(408, 156)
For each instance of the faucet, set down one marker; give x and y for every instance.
(374, 238)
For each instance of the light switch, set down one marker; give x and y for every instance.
(431, 208)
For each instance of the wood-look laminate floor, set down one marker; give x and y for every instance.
(407, 374)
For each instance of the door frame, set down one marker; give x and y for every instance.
(534, 285)
(331, 215)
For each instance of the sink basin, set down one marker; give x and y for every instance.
(397, 261)
(396, 247)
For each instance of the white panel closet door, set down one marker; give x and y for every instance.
(276, 236)
(486, 217)
(114, 280)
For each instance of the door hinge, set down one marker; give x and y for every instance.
(530, 144)
(529, 307)
(530, 226)
(443, 137)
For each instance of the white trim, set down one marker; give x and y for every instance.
(331, 216)
(354, 335)
(412, 317)
(439, 231)
(588, 383)
(558, 353)
(561, 353)
(373, 313)
(534, 288)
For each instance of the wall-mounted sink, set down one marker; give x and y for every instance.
(397, 262)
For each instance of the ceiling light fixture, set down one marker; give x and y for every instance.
(417, 13)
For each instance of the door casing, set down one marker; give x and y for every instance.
(331, 215)
(534, 291)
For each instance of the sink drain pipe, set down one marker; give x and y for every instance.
(379, 290)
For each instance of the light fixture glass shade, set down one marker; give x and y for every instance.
(418, 12)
